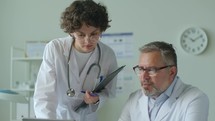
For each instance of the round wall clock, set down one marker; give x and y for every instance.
(194, 40)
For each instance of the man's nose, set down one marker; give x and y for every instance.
(144, 75)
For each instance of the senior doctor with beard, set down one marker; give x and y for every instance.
(163, 97)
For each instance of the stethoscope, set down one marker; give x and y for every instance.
(71, 92)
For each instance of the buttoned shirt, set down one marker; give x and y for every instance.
(154, 105)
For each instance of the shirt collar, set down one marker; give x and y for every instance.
(169, 90)
(166, 94)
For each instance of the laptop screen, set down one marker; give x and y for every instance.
(37, 119)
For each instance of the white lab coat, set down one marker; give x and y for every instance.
(50, 99)
(186, 103)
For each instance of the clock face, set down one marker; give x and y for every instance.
(194, 40)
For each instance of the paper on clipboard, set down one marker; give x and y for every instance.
(102, 85)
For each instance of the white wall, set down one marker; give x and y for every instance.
(149, 20)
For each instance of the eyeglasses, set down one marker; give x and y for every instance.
(94, 37)
(152, 71)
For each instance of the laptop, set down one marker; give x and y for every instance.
(37, 119)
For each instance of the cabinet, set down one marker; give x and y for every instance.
(23, 73)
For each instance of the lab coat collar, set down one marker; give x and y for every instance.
(72, 63)
(171, 100)
(73, 67)
(165, 109)
(67, 45)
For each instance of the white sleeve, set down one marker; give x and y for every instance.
(45, 101)
(197, 109)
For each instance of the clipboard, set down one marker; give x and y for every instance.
(101, 85)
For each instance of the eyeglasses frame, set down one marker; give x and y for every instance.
(148, 69)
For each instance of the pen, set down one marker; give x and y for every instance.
(91, 94)
(101, 78)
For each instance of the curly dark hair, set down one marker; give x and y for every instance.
(84, 12)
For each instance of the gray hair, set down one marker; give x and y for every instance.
(167, 51)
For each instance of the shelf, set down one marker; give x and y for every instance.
(22, 90)
(18, 98)
(27, 59)
(23, 73)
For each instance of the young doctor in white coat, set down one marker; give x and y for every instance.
(72, 66)
(163, 97)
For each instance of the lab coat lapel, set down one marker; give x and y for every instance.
(166, 107)
(73, 67)
(143, 102)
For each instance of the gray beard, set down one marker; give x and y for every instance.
(154, 93)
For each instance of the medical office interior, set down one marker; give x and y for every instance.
(23, 21)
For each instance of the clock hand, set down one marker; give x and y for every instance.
(198, 37)
(193, 40)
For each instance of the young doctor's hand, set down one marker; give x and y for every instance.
(90, 98)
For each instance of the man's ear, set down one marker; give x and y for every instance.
(173, 71)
